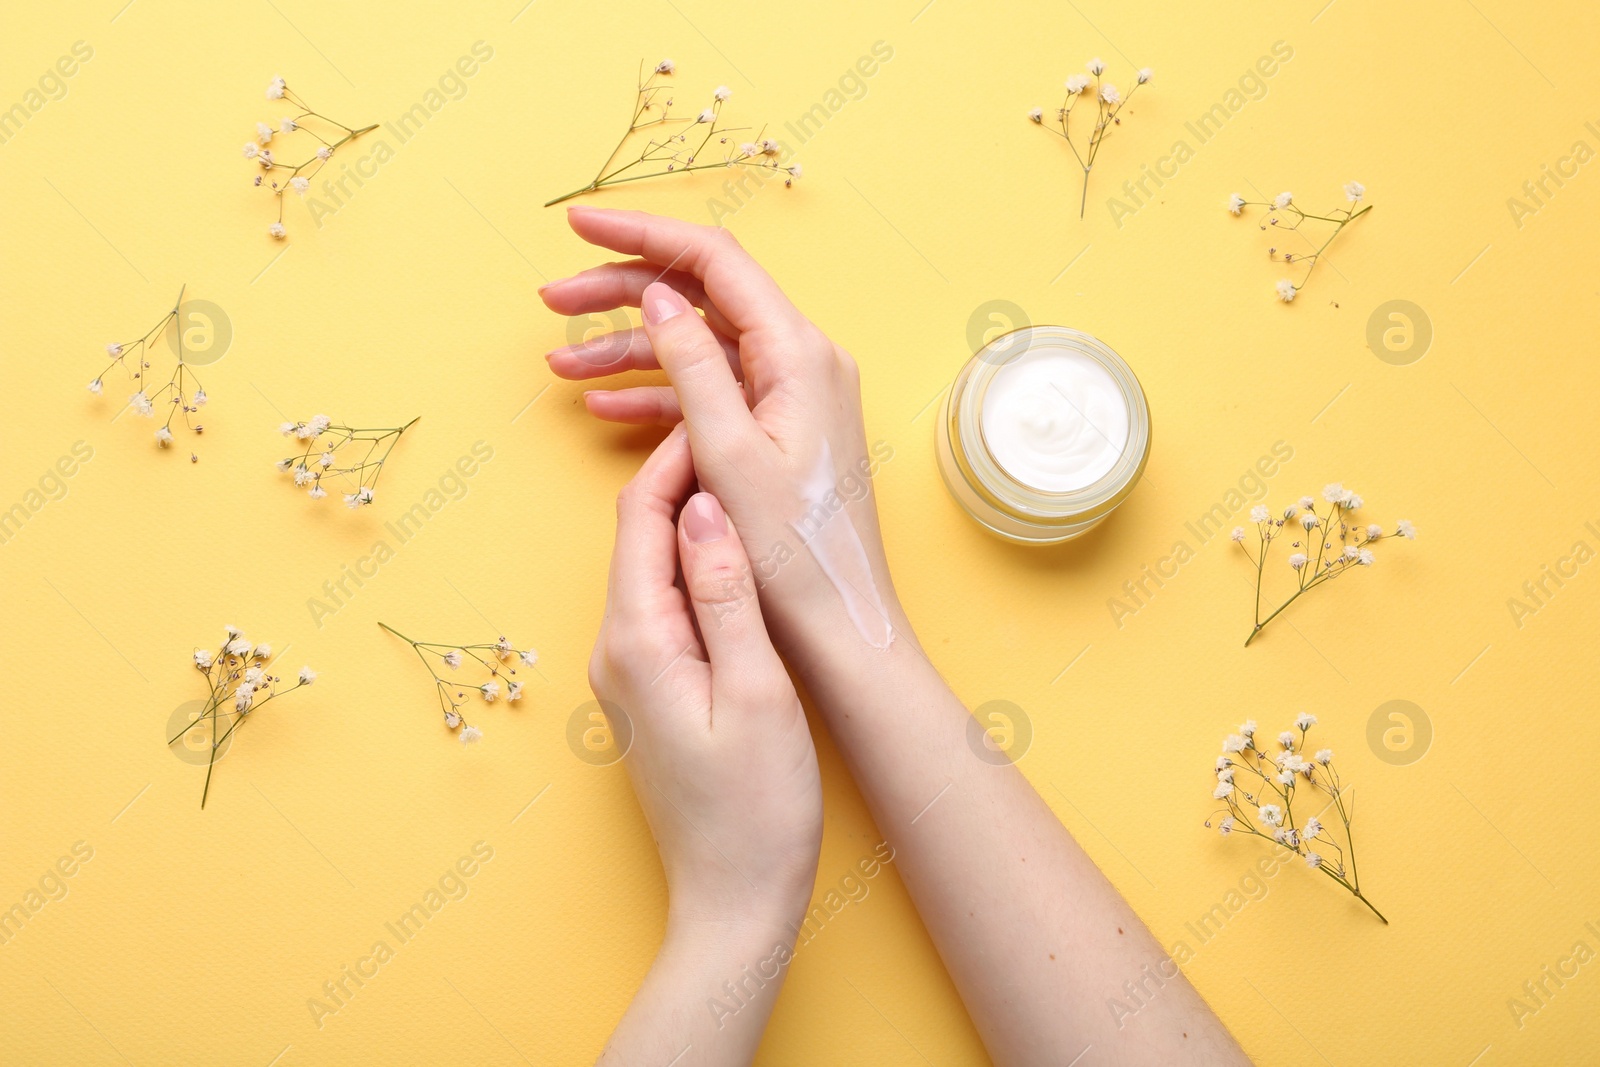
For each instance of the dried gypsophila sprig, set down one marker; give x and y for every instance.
(1109, 103)
(1285, 214)
(328, 133)
(132, 357)
(494, 658)
(1354, 548)
(1264, 805)
(678, 153)
(324, 451)
(240, 685)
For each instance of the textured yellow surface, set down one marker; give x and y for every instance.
(200, 937)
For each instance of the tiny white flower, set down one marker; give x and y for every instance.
(1313, 860)
(1222, 791)
(140, 403)
(319, 424)
(360, 497)
(1366, 557)
(251, 150)
(1109, 94)
(277, 230)
(1145, 74)
(1226, 826)
(1333, 492)
(1305, 720)
(264, 157)
(1297, 560)
(721, 93)
(232, 630)
(325, 153)
(1223, 763)
(1374, 531)
(1286, 739)
(1308, 502)
(316, 492)
(1096, 67)
(286, 125)
(1351, 552)
(263, 132)
(770, 147)
(748, 149)
(707, 116)
(1235, 204)
(1286, 778)
(202, 658)
(163, 436)
(283, 464)
(490, 690)
(1233, 743)
(263, 651)
(96, 386)
(1286, 290)
(530, 657)
(254, 676)
(285, 428)
(1313, 827)
(1408, 531)
(1225, 774)
(242, 697)
(1352, 501)
(471, 735)
(1259, 513)
(275, 88)
(1077, 84)
(1037, 114)
(1290, 512)
(1238, 533)
(1354, 191)
(1309, 521)
(1248, 728)
(1271, 814)
(452, 720)
(452, 659)
(1282, 200)
(302, 476)
(666, 66)
(514, 693)
(200, 398)
(793, 169)
(1324, 756)
(300, 185)
(325, 460)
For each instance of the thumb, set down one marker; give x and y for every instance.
(716, 573)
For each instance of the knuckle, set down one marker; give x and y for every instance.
(725, 588)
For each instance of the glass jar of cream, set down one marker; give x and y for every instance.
(1043, 434)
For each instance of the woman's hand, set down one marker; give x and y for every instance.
(722, 762)
(772, 407)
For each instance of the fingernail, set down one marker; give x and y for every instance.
(547, 286)
(704, 520)
(662, 302)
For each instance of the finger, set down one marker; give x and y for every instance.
(641, 405)
(614, 285)
(624, 350)
(714, 406)
(733, 280)
(644, 566)
(716, 574)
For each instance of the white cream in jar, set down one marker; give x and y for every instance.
(1045, 431)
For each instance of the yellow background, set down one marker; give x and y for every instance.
(198, 937)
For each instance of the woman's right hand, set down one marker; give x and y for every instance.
(772, 406)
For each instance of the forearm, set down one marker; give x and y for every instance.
(1035, 938)
(707, 997)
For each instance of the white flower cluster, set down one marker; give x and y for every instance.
(1108, 105)
(239, 675)
(680, 153)
(494, 658)
(352, 454)
(181, 395)
(1259, 784)
(1285, 214)
(1325, 544)
(280, 176)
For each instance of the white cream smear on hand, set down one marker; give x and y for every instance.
(827, 531)
(1055, 419)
